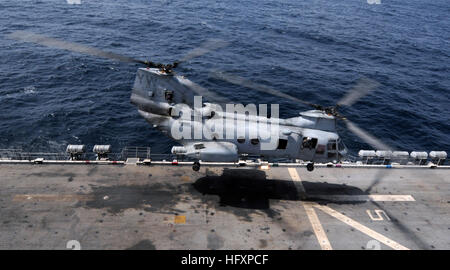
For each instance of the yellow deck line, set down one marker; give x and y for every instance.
(312, 216)
(296, 178)
(317, 227)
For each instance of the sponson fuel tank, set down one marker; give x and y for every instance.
(209, 151)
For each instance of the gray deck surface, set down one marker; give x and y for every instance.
(170, 207)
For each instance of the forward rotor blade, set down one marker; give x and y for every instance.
(362, 88)
(255, 86)
(365, 136)
(69, 46)
(203, 92)
(206, 47)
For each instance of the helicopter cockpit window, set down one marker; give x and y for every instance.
(341, 145)
(309, 142)
(241, 140)
(168, 95)
(331, 145)
(332, 155)
(332, 148)
(254, 141)
(320, 150)
(282, 144)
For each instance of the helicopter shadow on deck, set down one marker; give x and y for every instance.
(250, 188)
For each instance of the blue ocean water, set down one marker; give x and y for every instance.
(315, 50)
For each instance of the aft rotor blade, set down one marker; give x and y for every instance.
(206, 47)
(378, 177)
(362, 88)
(255, 86)
(69, 46)
(365, 136)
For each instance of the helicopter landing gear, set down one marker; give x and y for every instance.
(196, 166)
(310, 166)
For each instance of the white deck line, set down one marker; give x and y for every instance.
(369, 232)
(365, 198)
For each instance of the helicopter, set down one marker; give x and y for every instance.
(207, 132)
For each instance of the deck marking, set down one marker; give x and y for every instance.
(378, 213)
(180, 219)
(317, 227)
(185, 178)
(51, 197)
(365, 198)
(371, 233)
(296, 178)
(312, 216)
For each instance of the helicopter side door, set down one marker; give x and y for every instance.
(307, 148)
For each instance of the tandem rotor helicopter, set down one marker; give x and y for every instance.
(158, 93)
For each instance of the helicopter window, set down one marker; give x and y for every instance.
(254, 141)
(282, 144)
(309, 142)
(331, 145)
(241, 140)
(199, 146)
(168, 95)
(211, 115)
(150, 93)
(331, 155)
(320, 150)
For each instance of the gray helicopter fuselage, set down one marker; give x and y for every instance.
(211, 133)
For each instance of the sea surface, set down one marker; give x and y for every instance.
(315, 50)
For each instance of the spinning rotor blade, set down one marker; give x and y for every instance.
(25, 36)
(203, 92)
(79, 48)
(365, 136)
(362, 88)
(378, 178)
(69, 46)
(256, 86)
(206, 47)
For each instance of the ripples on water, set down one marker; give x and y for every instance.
(314, 50)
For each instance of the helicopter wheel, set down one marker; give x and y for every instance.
(196, 166)
(310, 167)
